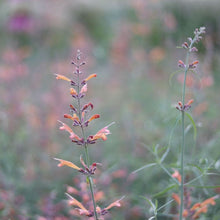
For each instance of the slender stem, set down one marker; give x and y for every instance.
(182, 169)
(183, 141)
(86, 149)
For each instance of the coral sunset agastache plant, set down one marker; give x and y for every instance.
(179, 179)
(182, 107)
(79, 116)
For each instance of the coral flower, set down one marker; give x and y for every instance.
(66, 163)
(101, 134)
(73, 91)
(177, 175)
(94, 117)
(74, 117)
(114, 204)
(176, 198)
(58, 76)
(68, 129)
(84, 89)
(82, 210)
(90, 77)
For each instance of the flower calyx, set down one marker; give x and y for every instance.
(88, 170)
(185, 107)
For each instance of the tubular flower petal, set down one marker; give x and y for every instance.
(210, 201)
(62, 77)
(94, 117)
(84, 89)
(66, 163)
(72, 108)
(176, 175)
(68, 129)
(73, 91)
(90, 77)
(81, 209)
(203, 206)
(87, 106)
(190, 102)
(75, 202)
(193, 64)
(74, 117)
(115, 204)
(181, 64)
(176, 198)
(68, 116)
(201, 210)
(101, 134)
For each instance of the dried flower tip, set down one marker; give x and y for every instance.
(83, 63)
(177, 175)
(82, 162)
(185, 45)
(87, 106)
(90, 77)
(181, 64)
(72, 108)
(66, 163)
(193, 64)
(84, 89)
(94, 117)
(180, 104)
(62, 77)
(73, 91)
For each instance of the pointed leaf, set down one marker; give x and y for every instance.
(194, 125)
(165, 190)
(145, 166)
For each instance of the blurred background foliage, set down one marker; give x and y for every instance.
(131, 45)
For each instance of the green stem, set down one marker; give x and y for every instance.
(183, 141)
(89, 179)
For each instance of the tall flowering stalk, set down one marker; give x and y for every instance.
(182, 107)
(80, 117)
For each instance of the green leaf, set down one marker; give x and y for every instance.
(193, 165)
(164, 155)
(165, 190)
(150, 203)
(194, 125)
(145, 166)
(206, 187)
